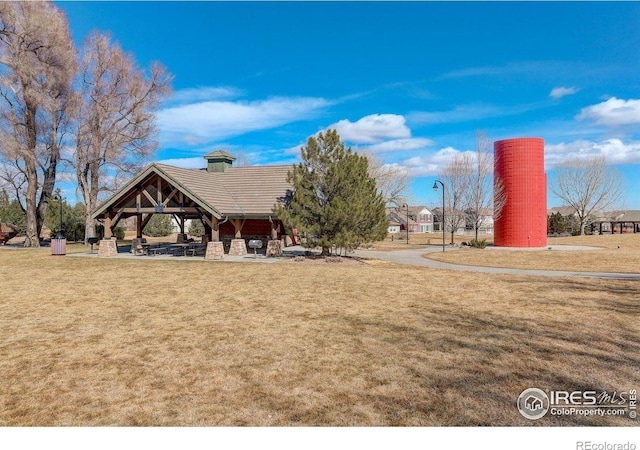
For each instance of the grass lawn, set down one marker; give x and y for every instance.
(398, 241)
(89, 342)
(619, 253)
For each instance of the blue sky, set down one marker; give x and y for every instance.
(411, 82)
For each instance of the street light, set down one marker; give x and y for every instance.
(435, 188)
(58, 197)
(407, 222)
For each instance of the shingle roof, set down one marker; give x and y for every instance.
(632, 215)
(236, 192)
(218, 154)
(563, 210)
(252, 190)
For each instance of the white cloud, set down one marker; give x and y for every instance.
(376, 133)
(464, 113)
(561, 91)
(186, 163)
(524, 68)
(202, 122)
(372, 129)
(614, 150)
(205, 93)
(295, 150)
(399, 145)
(427, 164)
(613, 112)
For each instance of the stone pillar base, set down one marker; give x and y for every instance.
(215, 251)
(238, 248)
(274, 248)
(134, 243)
(107, 247)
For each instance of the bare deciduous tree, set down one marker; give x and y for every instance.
(115, 127)
(589, 186)
(37, 66)
(455, 176)
(392, 181)
(482, 193)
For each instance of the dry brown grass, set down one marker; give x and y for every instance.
(176, 343)
(621, 253)
(417, 240)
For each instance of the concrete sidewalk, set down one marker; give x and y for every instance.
(414, 258)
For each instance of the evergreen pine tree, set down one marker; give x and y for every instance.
(335, 202)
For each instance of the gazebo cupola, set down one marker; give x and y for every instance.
(219, 161)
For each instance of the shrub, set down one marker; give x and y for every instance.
(475, 243)
(196, 228)
(159, 225)
(118, 233)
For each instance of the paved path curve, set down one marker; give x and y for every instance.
(414, 257)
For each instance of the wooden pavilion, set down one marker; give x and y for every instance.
(622, 222)
(234, 203)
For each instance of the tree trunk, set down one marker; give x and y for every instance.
(49, 178)
(88, 183)
(90, 201)
(32, 239)
(89, 227)
(33, 233)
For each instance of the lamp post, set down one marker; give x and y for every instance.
(58, 197)
(435, 188)
(407, 222)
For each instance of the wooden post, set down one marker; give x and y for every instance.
(159, 191)
(275, 226)
(215, 231)
(107, 227)
(207, 231)
(139, 226)
(238, 226)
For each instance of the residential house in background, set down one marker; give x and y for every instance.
(461, 220)
(394, 223)
(418, 219)
(616, 222)
(625, 221)
(485, 224)
(423, 219)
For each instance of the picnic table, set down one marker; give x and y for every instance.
(179, 249)
(159, 250)
(182, 249)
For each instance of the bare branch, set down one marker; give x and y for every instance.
(589, 186)
(115, 126)
(37, 66)
(392, 181)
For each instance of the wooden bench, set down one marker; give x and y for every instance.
(158, 251)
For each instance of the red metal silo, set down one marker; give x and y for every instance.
(522, 221)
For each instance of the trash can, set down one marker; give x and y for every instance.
(58, 246)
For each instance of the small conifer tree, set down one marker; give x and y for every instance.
(335, 202)
(159, 225)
